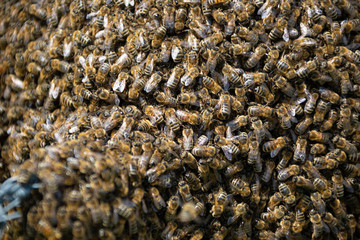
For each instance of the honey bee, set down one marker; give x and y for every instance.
(204, 151)
(303, 182)
(255, 57)
(211, 41)
(229, 148)
(177, 52)
(157, 198)
(241, 187)
(261, 111)
(184, 191)
(284, 86)
(349, 25)
(275, 200)
(344, 145)
(219, 203)
(180, 19)
(288, 172)
(173, 205)
(211, 85)
(171, 120)
(319, 137)
(263, 91)
(311, 103)
(300, 150)
(191, 118)
(278, 30)
(82, 38)
(317, 223)
(189, 77)
(317, 149)
(45, 228)
(302, 126)
(60, 66)
(348, 54)
(275, 146)
(37, 11)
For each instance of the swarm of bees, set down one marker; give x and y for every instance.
(185, 119)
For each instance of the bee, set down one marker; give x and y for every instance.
(261, 111)
(269, 168)
(189, 98)
(169, 230)
(172, 206)
(188, 78)
(67, 101)
(255, 57)
(311, 103)
(180, 19)
(232, 75)
(60, 66)
(177, 52)
(321, 109)
(275, 200)
(275, 146)
(284, 229)
(241, 187)
(278, 30)
(171, 120)
(284, 86)
(300, 150)
(302, 126)
(37, 11)
(165, 51)
(191, 118)
(211, 85)
(211, 41)
(288, 172)
(349, 25)
(44, 227)
(204, 151)
(239, 211)
(157, 198)
(306, 69)
(317, 149)
(319, 137)
(155, 114)
(277, 213)
(286, 116)
(184, 191)
(303, 182)
(254, 153)
(263, 91)
(348, 54)
(104, 69)
(195, 183)
(344, 145)
(229, 148)
(317, 224)
(232, 169)
(219, 203)
(188, 139)
(79, 37)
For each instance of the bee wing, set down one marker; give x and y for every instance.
(102, 59)
(233, 219)
(228, 152)
(100, 34)
(175, 50)
(286, 35)
(188, 140)
(92, 14)
(185, 79)
(82, 61)
(275, 152)
(106, 21)
(67, 49)
(151, 84)
(90, 59)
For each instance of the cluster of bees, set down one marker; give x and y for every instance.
(185, 119)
